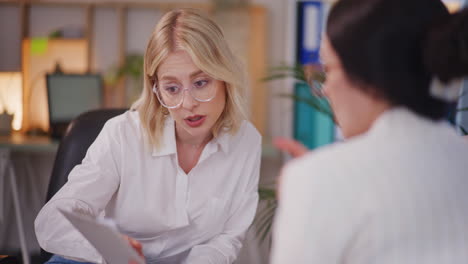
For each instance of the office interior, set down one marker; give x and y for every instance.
(94, 49)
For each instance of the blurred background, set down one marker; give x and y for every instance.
(59, 58)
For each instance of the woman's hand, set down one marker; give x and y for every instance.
(135, 245)
(290, 146)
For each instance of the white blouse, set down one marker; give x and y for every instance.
(397, 194)
(199, 217)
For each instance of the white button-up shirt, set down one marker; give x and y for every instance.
(397, 194)
(199, 217)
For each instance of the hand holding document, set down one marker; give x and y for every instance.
(103, 235)
(135, 245)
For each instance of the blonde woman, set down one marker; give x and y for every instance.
(178, 173)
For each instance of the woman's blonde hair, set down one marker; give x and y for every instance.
(188, 30)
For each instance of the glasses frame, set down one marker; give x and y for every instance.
(189, 90)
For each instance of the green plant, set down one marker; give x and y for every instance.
(132, 68)
(463, 130)
(314, 80)
(264, 219)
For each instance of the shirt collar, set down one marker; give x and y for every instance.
(223, 140)
(168, 143)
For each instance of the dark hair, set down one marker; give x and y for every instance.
(395, 47)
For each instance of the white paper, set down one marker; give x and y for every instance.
(311, 25)
(106, 239)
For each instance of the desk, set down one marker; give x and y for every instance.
(17, 142)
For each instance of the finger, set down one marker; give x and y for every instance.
(135, 245)
(131, 241)
(290, 146)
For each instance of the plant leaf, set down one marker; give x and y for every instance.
(266, 193)
(297, 71)
(464, 131)
(266, 231)
(265, 214)
(282, 76)
(313, 102)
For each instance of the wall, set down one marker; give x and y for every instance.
(10, 38)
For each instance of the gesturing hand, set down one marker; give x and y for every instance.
(290, 146)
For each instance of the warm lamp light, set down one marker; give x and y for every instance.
(452, 5)
(11, 96)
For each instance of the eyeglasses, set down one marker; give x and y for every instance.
(172, 96)
(315, 82)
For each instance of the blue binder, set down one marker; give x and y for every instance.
(310, 17)
(311, 128)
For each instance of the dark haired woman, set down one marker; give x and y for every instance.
(396, 190)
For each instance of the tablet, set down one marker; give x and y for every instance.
(104, 237)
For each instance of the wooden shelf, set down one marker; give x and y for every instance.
(128, 4)
(72, 56)
(253, 49)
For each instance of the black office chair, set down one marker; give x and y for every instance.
(81, 132)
